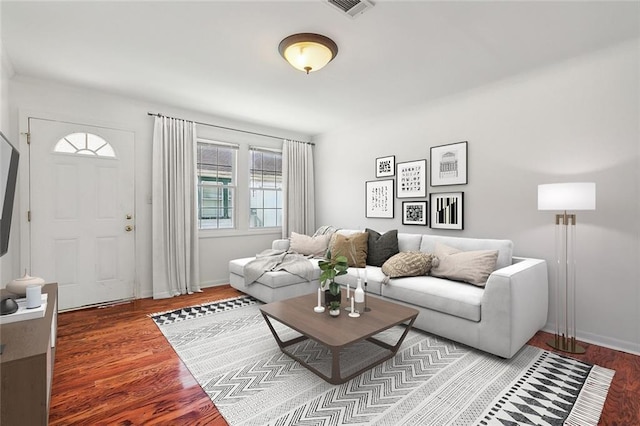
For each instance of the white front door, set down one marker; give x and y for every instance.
(81, 204)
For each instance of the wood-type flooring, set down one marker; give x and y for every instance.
(114, 367)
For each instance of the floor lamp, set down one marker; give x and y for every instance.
(566, 197)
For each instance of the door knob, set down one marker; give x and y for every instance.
(128, 228)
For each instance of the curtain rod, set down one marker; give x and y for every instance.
(155, 114)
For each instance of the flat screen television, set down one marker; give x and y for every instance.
(9, 156)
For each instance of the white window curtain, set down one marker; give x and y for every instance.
(174, 210)
(298, 213)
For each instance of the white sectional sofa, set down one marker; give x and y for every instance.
(498, 318)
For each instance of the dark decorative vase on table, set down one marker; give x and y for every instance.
(329, 297)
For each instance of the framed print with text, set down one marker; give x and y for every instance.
(449, 164)
(447, 210)
(386, 166)
(379, 202)
(414, 212)
(411, 179)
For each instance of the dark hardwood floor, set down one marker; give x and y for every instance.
(114, 367)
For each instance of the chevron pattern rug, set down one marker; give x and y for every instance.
(431, 381)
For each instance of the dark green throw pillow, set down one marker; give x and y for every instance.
(381, 246)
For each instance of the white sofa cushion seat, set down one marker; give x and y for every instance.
(450, 297)
(273, 279)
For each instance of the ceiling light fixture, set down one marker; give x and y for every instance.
(307, 51)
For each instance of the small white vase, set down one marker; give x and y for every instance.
(19, 285)
(358, 293)
(334, 312)
(358, 296)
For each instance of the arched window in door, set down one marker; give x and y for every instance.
(85, 144)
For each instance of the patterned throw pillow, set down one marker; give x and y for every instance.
(408, 264)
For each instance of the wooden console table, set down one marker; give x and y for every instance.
(26, 366)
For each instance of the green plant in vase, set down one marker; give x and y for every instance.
(332, 268)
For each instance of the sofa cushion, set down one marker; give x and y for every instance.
(409, 242)
(353, 246)
(381, 247)
(473, 267)
(306, 245)
(407, 264)
(504, 247)
(442, 295)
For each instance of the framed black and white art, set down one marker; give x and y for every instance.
(447, 210)
(411, 179)
(379, 201)
(414, 213)
(385, 166)
(449, 164)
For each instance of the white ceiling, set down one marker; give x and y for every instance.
(222, 57)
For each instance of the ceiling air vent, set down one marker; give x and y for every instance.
(351, 8)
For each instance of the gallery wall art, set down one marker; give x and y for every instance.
(447, 210)
(386, 166)
(411, 179)
(380, 198)
(414, 213)
(449, 164)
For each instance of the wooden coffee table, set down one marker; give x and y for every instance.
(337, 333)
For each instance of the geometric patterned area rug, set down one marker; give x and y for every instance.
(230, 351)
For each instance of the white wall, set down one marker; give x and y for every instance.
(576, 121)
(30, 97)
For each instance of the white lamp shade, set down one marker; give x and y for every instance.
(567, 196)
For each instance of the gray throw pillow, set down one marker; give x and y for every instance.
(381, 246)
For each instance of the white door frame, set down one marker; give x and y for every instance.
(24, 180)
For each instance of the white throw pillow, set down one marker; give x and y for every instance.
(473, 267)
(306, 245)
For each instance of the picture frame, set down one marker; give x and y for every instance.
(414, 213)
(447, 210)
(379, 199)
(386, 166)
(449, 164)
(411, 179)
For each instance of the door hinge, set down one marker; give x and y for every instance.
(28, 135)
(29, 216)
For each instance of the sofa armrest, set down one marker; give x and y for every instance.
(281, 244)
(514, 305)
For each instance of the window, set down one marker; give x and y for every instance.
(265, 187)
(85, 144)
(216, 163)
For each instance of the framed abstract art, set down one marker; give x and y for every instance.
(386, 166)
(414, 213)
(411, 179)
(379, 198)
(447, 210)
